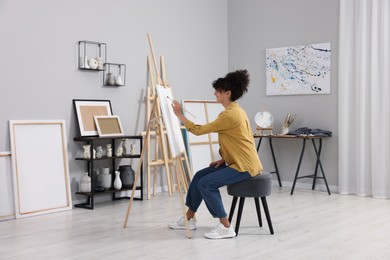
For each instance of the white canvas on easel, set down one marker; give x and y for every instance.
(203, 148)
(171, 122)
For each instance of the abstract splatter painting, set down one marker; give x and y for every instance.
(298, 70)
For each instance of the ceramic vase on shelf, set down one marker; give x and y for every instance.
(110, 79)
(126, 175)
(105, 177)
(119, 80)
(85, 183)
(85, 63)
(117, 181)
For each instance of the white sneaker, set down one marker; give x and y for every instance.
(221, 232)
(181, 224)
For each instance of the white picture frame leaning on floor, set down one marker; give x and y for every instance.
(40, 168)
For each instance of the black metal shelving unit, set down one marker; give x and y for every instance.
(93, 141)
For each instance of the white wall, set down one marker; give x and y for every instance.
(255, 25)
(38, 51)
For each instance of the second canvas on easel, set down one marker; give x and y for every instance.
(203, 149)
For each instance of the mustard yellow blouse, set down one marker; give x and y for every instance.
(235, 137)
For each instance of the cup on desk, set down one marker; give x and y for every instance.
(285, 130)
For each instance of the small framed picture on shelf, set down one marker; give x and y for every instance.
(86, 109)
(109, 125)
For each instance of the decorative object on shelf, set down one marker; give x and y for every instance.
(86, 109)
(110, 80)
(132, 149)
(117, 181)
(126, 147)
(119, 150)
(99, 152)
(87, 151)
(109, 126)
(115, 74)
(93, 153)
(109, 150)
(98, 181)
(92, 49)
(85, 183)
(93, 64)
(287, 123)
(126, 175)
(83, 61)
(105, 177)
(100, 63)
(119, 80)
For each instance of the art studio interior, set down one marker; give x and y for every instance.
(94, 163)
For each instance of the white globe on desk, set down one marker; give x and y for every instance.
(264, 119)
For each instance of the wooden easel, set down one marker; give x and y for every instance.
(161, 151)
(157, 129)
(156, 118)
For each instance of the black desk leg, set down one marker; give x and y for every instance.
(258, 145)
(318, 153)
(299, 166)
(275, 164)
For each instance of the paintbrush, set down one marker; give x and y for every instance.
(183, 108)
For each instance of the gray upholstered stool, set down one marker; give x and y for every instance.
(257, 187)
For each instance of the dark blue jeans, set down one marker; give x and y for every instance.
(205, 186)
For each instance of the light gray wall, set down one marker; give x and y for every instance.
(201, 40)
(255, 25)
(38, 50)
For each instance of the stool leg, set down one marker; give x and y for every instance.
(239, 214)
(265, 206)
(232, 207)
(257, 203)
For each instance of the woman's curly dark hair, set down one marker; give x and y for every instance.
(237, 82)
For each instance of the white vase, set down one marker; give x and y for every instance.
(86, 66)
(117, 181)
(85, 183)
(119, 80)
(110, 79)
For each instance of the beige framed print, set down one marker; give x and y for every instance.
(39, 167)
(108, 125)
(86, 109)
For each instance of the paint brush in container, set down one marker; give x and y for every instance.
(183, 108)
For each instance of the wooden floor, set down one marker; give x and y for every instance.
(308, 225)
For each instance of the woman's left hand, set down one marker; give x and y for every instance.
(218, 163)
